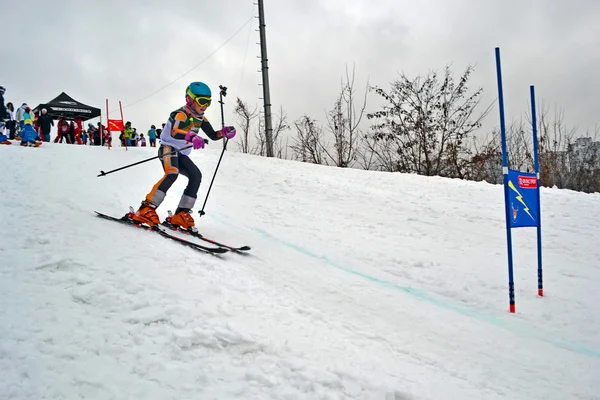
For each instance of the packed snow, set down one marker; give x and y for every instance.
(359, 285)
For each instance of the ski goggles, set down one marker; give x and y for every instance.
(202, 101)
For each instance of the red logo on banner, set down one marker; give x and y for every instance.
(527, 182)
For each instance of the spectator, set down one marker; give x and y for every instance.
(36, 122)
(4, 139)
(63, 131)
(128, 133)
(89, 134)
(97, 137)
(19, 116)
(11, 125)
(46, 123)
(28, 115)
(4, 117)
(77, 129)
(106, 136)
(3, 114)
(71, 132)
(142, 140)
(28, 134)
(152, 136)
(134, 137)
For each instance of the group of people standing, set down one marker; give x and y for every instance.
(19, 124)
(34, 128)
(131, 138)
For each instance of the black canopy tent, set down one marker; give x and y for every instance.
(69, 108)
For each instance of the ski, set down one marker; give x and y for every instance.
(126, 220)
(198, 235)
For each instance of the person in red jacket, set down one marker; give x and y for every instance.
(77, 127)
(63, 131)
(36, 122)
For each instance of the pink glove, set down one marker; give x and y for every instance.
(196, 140)
(228, 132)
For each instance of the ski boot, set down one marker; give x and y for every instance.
(182, 220)
(146, 214)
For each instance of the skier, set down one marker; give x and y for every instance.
(180, 130)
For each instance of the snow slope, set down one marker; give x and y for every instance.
(361, 285)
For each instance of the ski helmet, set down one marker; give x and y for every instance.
(196, 89)
(2, 89)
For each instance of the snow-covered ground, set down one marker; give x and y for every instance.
(361, 285)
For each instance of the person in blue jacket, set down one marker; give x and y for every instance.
(152, 136)
(28, 134)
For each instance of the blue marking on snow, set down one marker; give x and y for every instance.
(421, 295)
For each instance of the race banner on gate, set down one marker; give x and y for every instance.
(115, 125)
(523, 198)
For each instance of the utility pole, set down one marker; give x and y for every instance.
(265, 79)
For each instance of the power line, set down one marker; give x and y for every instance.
(193, 68)
(245, 54)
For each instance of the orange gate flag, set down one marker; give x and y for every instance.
(115, 125)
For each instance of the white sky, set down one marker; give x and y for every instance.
(126, 50)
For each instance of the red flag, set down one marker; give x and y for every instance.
(115, 125)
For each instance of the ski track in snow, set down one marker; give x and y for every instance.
(360, 285)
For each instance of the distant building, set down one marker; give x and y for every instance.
(584, 153)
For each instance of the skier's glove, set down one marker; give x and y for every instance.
(228, 132)
(197, 141)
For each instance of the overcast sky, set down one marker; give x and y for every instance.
(127, 49)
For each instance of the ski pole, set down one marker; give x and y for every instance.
(222, 94)
(102, 173)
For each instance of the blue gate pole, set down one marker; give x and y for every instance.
(537, 172)
(511, 282)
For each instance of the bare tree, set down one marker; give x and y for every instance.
(427, 122)
(554, 139)
(486, 162)
(366, 155)
(343, 122)
(260, 145)
(308, 146)
(565, 161)
(251, 125)
(281, 125)
(245, 118)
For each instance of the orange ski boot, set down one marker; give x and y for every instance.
(183, 220)
(146, 214)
